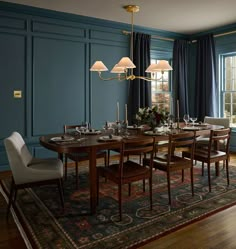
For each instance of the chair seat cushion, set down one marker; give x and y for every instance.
(205, 141)
(130, 170)
(201, 139)
(201, 154)
(44, 169)
(160, 162)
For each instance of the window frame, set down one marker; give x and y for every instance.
(222, 90)
(170, 86)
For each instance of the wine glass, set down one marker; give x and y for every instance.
(85, 125)
(186, 119)
(170, 121)
(78, 131)
(193, 119)
(83, 129)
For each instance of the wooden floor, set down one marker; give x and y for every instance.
(10, 237)
(217, 231)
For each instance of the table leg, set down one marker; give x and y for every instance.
(93, 179)
(217, 168)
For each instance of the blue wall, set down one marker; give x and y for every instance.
(47, 55)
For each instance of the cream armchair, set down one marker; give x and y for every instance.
(28, 171)
(217, 121)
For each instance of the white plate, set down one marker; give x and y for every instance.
(91, 132)
(157, 133)
(134, 127)
(107, 138)
(191, 128)
(61, 139)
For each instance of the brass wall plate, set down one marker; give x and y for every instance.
(17, 94)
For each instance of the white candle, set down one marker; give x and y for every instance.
(117, 111)
(126, 113)
(178, 110)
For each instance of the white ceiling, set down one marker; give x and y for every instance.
(181, 16)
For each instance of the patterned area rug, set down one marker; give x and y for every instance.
(48, 227)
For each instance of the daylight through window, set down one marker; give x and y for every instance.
(229, 87)
(161, 90)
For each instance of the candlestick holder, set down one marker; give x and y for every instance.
(178, 127)
(124, 128)
(117, 128)
(170, 121)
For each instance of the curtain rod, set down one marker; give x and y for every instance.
(218, 35)
(226, 33)
(170, 39)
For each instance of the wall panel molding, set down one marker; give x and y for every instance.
(14, 23)
(52, 28)
(47, 55)
(58, 95)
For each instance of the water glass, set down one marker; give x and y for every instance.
(186, 119)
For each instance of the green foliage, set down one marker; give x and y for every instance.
(151, 116)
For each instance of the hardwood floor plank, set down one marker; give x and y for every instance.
(216, 231)
(10, 236)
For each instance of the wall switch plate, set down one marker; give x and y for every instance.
(17, 94)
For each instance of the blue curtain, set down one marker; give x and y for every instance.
(139, 90)
(180, 74)
(206, 85)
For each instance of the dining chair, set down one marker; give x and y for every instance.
(224, 122)
(131, 131)
(172, 160)
(214, 153)
(203, 140)
(81, 156)
(28, 171)
(126, 170)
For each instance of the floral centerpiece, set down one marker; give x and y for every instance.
(151, 116)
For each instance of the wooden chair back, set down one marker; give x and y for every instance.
(219, 140)
(138, 146)
(66, 128)
(180, 140)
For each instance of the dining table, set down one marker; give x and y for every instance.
(93, 142)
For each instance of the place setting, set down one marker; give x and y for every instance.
(110, 138)
(114, 131)
(193, 126)
(158, 131)
(190, 126)
(62, 138)
(66, 139)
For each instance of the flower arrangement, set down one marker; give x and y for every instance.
(151, 116)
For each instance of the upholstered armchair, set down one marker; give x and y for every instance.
(28, 171)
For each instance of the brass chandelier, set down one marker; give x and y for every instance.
(124, 68)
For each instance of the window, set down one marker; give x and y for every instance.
(161, 90)
(229, 87)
